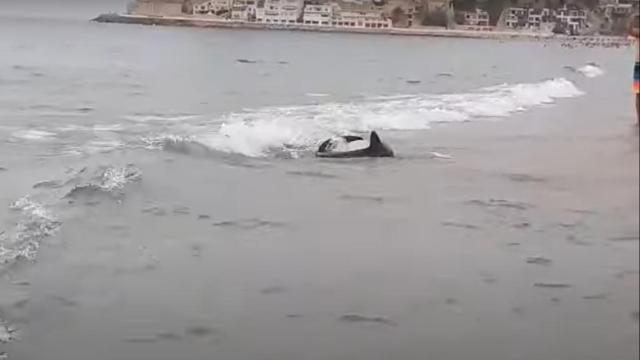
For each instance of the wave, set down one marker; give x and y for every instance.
(591, 70)
(107, 180)
(36, 223)
(8, 334)
(108, 127)
(160, 117)
(296, 129)
(186, 145)
(99, 146)
(33, 135)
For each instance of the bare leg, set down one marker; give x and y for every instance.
(638, 108)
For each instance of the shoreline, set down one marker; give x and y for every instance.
(187, 21)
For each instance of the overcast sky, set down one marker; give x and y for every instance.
(60, 8)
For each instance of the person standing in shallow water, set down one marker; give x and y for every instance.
(634, 30)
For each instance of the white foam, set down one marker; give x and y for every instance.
(108, 127)
(101, 146)
(160, 117)
(591, 71)
(158, 142)
(71, 128)
(33, 135)
(437, 155)
(317, 95)
(301, 128)
(7, 334)
(36, 223)
(115, 178)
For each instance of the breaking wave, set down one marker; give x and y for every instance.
(150, 117)
(107, 180)
(36, 223)
(591, 70)
(8, 334)
(294, 129)
(33, 135)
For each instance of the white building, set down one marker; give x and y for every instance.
(573, 18)
(617, 7)
(371, 20)
(476, 18)
(321, 15)
(243, 10)
(537, 17)
(280, 11)
(514, 15)
(212, 7)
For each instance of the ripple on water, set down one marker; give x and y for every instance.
(366, 198)
(461, 225)
(525, 178)
(248, 224)
(376, 319)
(552, 285)
(273, 290)
(538, 260)
(313, 174)
(501, 203)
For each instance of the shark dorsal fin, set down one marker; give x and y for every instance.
(374, 141)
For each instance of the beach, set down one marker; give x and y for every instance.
(160, 198)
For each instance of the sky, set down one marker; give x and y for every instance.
(60, 8)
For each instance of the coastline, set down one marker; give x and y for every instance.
(215, 23)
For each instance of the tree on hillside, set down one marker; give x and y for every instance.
(459, 18)
(435, 18)
(590, 4)
(494, 8)
(465, 5)
(398, 16)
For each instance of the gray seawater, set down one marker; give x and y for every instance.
(159, 199)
